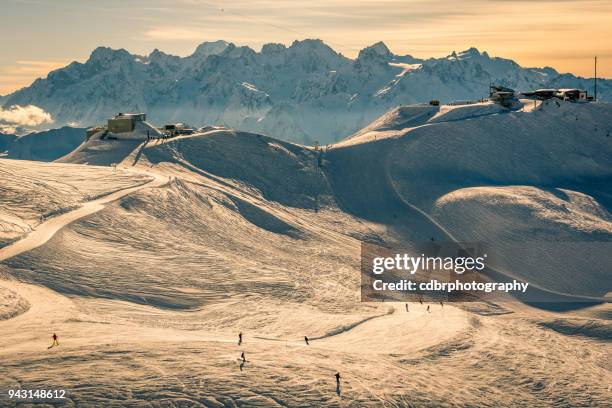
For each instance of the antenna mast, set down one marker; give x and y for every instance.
(595, 79)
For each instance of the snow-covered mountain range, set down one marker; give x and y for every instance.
(304, 92)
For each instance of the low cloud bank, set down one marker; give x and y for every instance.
(29, 115)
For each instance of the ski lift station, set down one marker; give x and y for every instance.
(502, 95)
(565, 94)
(125, 122)
(573, 95)
(131, 126)
(175, 129)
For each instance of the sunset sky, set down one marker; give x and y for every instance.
(37, 36)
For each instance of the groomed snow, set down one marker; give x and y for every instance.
(222, 232)
(34, 191)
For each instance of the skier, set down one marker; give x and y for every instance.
(427, 308)
(240, 338)
(338, 383)
(441, 303)
(306, 340)
(243, 357)
(407, 307)
(55, 341)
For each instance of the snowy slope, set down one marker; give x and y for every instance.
(557, 238)
(443, 179)
(302, 93)
(6, 140)
(33, 192)
(556, 145)
(426, 157)
(237, 232)
(11, 304)
(44, 146)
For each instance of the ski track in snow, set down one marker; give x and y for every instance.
(44, 231)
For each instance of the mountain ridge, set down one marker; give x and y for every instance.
(303, 92)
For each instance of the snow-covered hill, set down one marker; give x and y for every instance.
(6, 140)
(302, 93)
(462, 166)
(533, 184)
(32, 192)
(46, 145)
(148, 271)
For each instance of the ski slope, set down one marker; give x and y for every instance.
(33, 192)
(154, 267)
(479, 173)
(546, 236)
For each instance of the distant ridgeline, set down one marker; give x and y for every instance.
(41, 146)
(304, 92)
